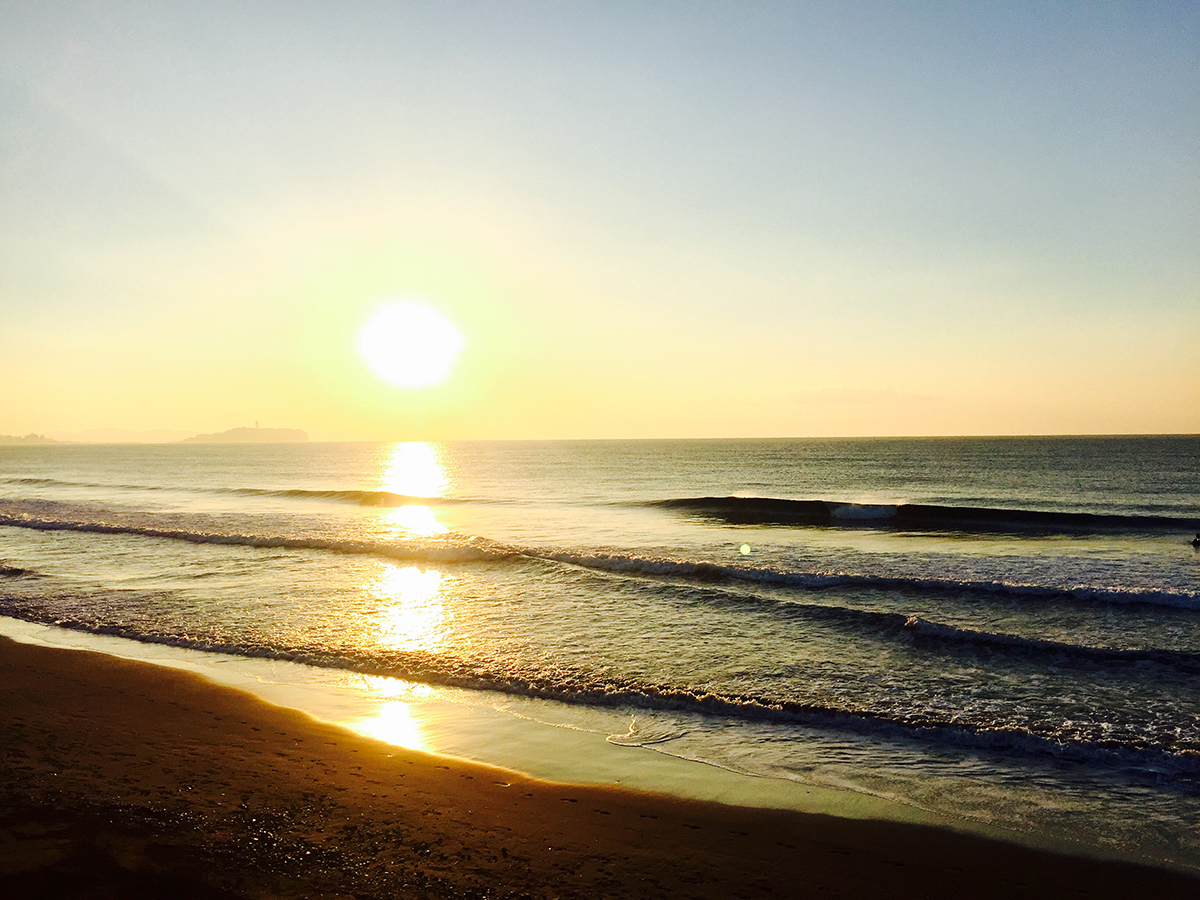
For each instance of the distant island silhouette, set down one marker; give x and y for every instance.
(254, 435)
(29, 439)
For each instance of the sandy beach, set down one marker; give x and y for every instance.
(123, 779)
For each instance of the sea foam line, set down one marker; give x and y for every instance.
(475, 552)
(384, 499)
(1176, 659)
(480, 550)
(579, 690)
(873, 623)
(715, 573)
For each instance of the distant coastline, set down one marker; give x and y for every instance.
(241, 435)
(253, 435)
(26, 439)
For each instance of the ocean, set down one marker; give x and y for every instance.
(1001, 631)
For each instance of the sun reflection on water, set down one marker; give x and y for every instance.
(413, 617)
(411, 612)
(394, 724)
(418, 521)
(416, 469)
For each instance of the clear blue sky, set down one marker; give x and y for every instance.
(676, 219)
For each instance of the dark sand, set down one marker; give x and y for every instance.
(121, 779)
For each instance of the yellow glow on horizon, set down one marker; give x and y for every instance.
(414, 619)
(415, 469)
(410, 344)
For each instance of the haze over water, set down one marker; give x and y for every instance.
(1004, 630)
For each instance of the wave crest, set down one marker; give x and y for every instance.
(918, 516)
(482, 550)
(1141, 751)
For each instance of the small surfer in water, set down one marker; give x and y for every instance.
(1196, 542)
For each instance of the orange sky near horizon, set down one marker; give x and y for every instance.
(740, 221)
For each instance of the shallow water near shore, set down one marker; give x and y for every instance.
(1002, 633)
(542, 739)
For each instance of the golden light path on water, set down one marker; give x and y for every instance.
(415, 469)
(413, 616)
(418, 521)
(411, 600)
(394, 723)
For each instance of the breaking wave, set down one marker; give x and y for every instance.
(476, 549)
(384, 499)
(917, 516)
(714, 573)
(1132, 749)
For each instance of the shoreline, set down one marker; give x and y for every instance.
(540, 739)
(146, 780)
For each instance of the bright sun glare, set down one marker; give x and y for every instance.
(409, 344)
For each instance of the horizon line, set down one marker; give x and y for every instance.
(529, 440)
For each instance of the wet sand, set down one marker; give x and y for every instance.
(123, 779)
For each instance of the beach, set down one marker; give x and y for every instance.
(127, 779)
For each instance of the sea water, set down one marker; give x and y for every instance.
(1004, 631)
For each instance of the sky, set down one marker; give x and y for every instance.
(645, 219)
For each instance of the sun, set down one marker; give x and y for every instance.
(409, 344)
